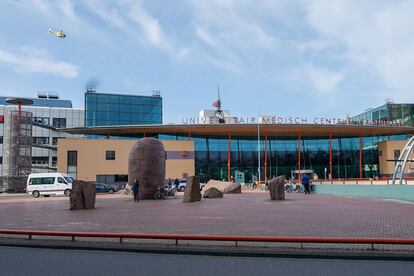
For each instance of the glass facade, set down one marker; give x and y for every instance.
(113, 109)
(211, 155)
(391, 112)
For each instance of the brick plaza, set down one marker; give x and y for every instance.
(249, 213)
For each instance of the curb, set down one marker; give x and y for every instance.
(259, 252)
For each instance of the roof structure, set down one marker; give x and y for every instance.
(246, 130)
(42, 102)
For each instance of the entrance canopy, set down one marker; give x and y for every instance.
(245, 130)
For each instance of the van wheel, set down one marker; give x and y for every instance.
(182, 188)
(67, 192)
(36, 194)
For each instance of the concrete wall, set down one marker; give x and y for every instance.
(92, 157)
(386, 152)
(401, 192)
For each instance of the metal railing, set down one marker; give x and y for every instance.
(236, 239)
(372, 181)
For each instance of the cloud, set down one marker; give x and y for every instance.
(132, 18)
(67, 8)
(149, 26)
(324, 80)
(376, 36)
(36, 62)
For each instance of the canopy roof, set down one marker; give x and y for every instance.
(248, 130)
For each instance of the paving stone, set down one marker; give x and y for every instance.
(249, 213)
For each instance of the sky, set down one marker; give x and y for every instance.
(284, 58)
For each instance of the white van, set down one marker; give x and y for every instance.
(49, 184)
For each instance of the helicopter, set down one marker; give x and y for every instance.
(59, 34)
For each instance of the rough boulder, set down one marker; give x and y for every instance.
(192, 189)
(212, 193)
(277, 188)
(83, 195)
(224, 187)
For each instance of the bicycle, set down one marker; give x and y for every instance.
(171, 191)
(161, 193)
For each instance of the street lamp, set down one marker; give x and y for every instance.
(258, 148)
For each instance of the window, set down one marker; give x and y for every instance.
(41, 120)
(40, 160)
(72, 158)
(72, 163)
(397, 154)
(59, 122)
(1, 139)
(61, 180)
(54, 161)
(110, 155)
(42, 181)
(41, 140)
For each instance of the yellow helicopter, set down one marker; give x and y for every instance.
(58, 34)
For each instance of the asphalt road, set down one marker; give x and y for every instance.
(35, 261)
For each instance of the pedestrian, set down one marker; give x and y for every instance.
(176, 183)
(135, 190)
(306, 183)
(169, 183)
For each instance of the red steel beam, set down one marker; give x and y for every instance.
(299, 176)
(265, 159)
(209, 237)
(360, 155)
(330, 157)
(228, 160)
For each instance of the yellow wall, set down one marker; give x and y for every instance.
(386, 152)
(92, 157)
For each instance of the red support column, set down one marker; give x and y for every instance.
(228, 160)
(265, 159)
(330, 157)
(360, 155)
(189, 136)
(299, 176)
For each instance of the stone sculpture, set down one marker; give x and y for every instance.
(146, 163)
(83, 195)
(277, 188)
(192, 189)
(213, 193)
(224, 187)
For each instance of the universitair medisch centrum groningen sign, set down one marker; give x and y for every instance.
(289, 120)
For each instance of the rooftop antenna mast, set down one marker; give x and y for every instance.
(217, 104)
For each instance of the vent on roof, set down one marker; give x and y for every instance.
(47, 95)
(53, 96)
(42, 95)
(156, 93)
(90, 89)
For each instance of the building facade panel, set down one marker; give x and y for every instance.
(44, 133)
(92, 163)
(102, 109)
(389, 152)
(390, 113)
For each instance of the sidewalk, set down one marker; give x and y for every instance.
(250, 213)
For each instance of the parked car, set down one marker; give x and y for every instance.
(106, 188)
(183, 184)
(47, 184)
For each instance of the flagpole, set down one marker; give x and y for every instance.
(258, 149)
